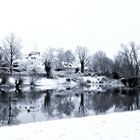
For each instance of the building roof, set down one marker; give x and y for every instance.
(34, 53)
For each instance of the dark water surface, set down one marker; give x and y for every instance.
(33, 105)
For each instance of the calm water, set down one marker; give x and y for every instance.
(22, 106)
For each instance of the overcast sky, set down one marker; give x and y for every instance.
(96, 24)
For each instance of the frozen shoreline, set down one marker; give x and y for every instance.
(116, 126)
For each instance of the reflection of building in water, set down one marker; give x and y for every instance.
(30, 107)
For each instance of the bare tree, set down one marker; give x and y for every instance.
(101, 63)
(69, 57)
(117, 64)
(82, 53)
(64, 56)
(11, 49)
(128, 60)
(135, 50)
(60, 57)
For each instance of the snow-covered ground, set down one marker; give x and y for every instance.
(93, 83)
(115, 126)
(102, 80)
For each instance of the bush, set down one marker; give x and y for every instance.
(124, 81)
(115, 75)
(18, 82)
(68, 79)
(88, 81)
(82, 83)
(77, 70)
(4, 78)
(59, 69)
(33, 80)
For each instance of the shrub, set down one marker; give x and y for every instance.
(88, 81)
(68, 79)
(77, 70)
(19, 81)
(4, 78)
(33, 79)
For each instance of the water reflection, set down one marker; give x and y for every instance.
(47, 102)
(82, 108)
(8, 109)
(19, 106)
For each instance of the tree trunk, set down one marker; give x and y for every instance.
(11, 71)
(11, 66)
(48, 74)
(82, 67)
(48, 69)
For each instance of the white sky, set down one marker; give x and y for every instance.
(96, 24)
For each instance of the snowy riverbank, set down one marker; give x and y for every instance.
(116, 126)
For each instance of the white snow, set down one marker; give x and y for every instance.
(47, 82)
(0, 80)
(54, 83)
(115, 126)
(12, 80)
(93, 83)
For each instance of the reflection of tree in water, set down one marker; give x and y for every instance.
(8, 110)
(47, 101)
(64, 104)
(82, 107)
(121, 99)
(101, 102)
(60, 104)
(10, 119)
(34, 94)
(12, 103)
(129, 99)
(124, 99)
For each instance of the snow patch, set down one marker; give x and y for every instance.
(116, 126)
(12, 80)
